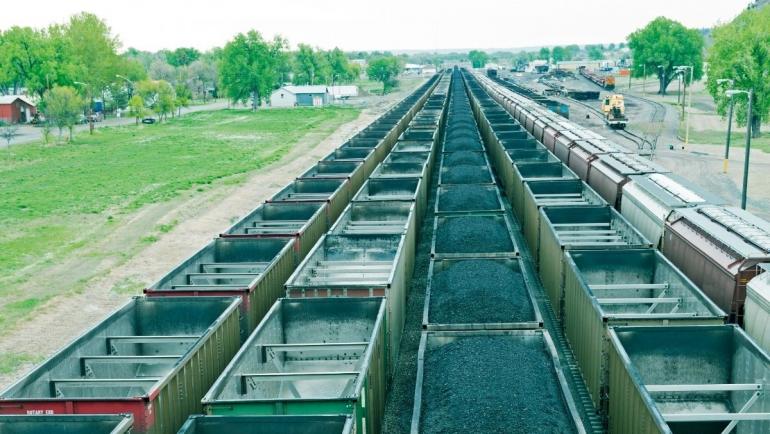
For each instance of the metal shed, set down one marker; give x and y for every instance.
(720, 249)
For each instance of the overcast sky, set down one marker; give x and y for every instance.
(383, 25)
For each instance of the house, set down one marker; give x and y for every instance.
(413, 69)
(300, 96)
(16, 108)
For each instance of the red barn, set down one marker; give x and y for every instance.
(16, 108)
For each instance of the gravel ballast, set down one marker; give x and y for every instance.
(464, 157)
(478, 291)
(491, 384)
(454, 198)
(473, 234)
(466, 174)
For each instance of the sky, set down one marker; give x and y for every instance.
(365, 25)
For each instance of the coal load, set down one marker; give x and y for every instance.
(464, 157)
(466, 174)
(473, 234)
(491, 384)
(479, 291)
(456, 198)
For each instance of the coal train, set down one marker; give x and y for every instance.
(291, 320)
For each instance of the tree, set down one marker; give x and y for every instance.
(384, 69)
(478, 58)
(28, 60)
(595, 52)
(741, 52)
(342, 69)
(63, 107)
(183, 97)
(666, 43)
(136, 107)
(560, 54)
(544, 54)
(92, 50)
(158, 96)
(182, 56)
(250, 67)
(310, 66)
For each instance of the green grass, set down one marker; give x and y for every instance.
(50, 194)
(737, 140)
(11, 362)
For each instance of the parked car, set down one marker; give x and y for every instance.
(148, 120)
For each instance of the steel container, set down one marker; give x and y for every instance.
(353, 171)
(720, 249)
(395, 189)
(530, 318)
(427, 134)
(610, 172)
(414, 146)
(445, 192)
(153, 358)
(411, 157)
(285, 424)
(757, 318)
(66, 424)
(366, 156)
(404, 172)
(563, 144)
(585, 151)
(552, 129)
(359, 266)
(469, 387)
(554, 193)
(498, 152)
(687, 379)
(629, 287)
(378, 218)
(578, 228)
(253, 269)
(335, 193)
(526, 172)
(304, 221)
(649, 200)
(310, 357)
(477, 237)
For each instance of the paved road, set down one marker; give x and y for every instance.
(28, 133)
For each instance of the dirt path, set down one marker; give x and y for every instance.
(201, 216)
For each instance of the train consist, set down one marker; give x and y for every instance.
(646, 325)
(292, 320)
(605, 81)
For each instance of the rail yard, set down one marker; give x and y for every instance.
(471, 261)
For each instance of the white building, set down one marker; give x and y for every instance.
(343, 92)
(300, 96)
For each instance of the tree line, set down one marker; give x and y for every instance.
(69, 66)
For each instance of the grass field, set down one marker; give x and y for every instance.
(50, 195)
(737, 140)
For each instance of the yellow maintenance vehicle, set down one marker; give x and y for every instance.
(614, 110)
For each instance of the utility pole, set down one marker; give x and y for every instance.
(750, 94)
(730, 83)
